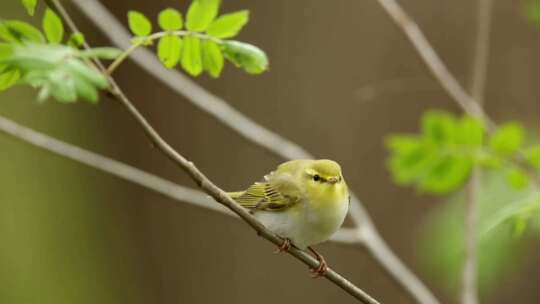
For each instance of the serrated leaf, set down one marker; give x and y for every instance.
(532, 155)
(201, 13)
(191, 56)
(517, 178)
(9, 78)
(212, 58)
(170, 50)
(139, 24)
(508, 138)
(108, 53)
(252, 59)
(439, 127)
(17, 31)
(30, 6)
(170, 20)
(228, 25)
(76, 40)
(53, 27)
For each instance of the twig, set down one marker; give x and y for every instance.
(253, 132)
(469, 284)
(434, 63)
(219, 195)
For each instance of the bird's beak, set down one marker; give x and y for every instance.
(332, 180)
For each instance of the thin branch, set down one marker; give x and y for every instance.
(432, 60)
(219, 195)
(469, 287)
(252, 131)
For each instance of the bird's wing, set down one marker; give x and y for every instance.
(265, 196)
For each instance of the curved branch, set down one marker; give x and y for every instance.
(218, 194)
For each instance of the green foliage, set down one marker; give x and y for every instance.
(440, 158)
(200, 14)
(139, 24)
(14, 31)
(228, 25)
(202, 47)
(252, 59)
(76, 40)
(170, 20)
(532, 10)
(30, 6)
(170, 50)
(53, 27)
(441, 243)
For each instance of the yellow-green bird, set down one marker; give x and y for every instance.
(303, 201)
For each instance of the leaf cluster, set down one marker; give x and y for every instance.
(42, 59)
(199, 44)
(440, 158)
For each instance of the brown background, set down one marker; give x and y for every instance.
(341, 77)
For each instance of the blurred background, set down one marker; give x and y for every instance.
(342, 76)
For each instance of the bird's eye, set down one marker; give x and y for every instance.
(316, 177)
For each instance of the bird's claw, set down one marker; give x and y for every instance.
(322, 268)
(285, 246)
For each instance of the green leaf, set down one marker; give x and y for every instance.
(170, 50)
(30, 6)
(439, 127)
(53, 27)
(86, 91)
(532, 155)
(76, 40)
(212, 58)
(9, 78)
(170, 20)
(201, 13)
(252, 59)
(6, 51)
(470, 132)
(517, 178)
(508, 138)
(447, 175)
(109, 53)
(191, 56)
(17, 32)
(139, 24)
(228, 25)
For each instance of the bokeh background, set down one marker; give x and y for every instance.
(342, 77)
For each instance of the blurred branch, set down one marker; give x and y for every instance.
(214, 191)
(252, 131)
(432, 60)
(469, 287)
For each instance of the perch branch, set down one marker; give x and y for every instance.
(214, 191)
(255, 133)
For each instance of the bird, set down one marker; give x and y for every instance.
(303, 201)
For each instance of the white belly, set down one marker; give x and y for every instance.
(305, 226)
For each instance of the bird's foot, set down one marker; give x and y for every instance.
(322, 268)
(285, 246)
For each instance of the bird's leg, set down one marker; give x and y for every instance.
(285, 246)
(323, 266)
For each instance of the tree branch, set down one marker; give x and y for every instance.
(214, 191)
(469, 287)
(256, 134)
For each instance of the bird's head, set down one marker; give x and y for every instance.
(324, 172)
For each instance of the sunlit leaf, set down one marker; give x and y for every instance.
(252, 59)
(532, 155)
(517, 178)
(212, 58)
(76, 40)
(9, 78)
(139, 24)
(438, 126)
(191, 56)
(508, 138)
(53, 27)
(170, 20)
(30, 6)
(201, 13)
(228, 25)
(470, 132)
(170, 50)
(18, 31)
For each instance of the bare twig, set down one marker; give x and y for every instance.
(434, 63)
(255, 133)
(469, 287)
(214, 191)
